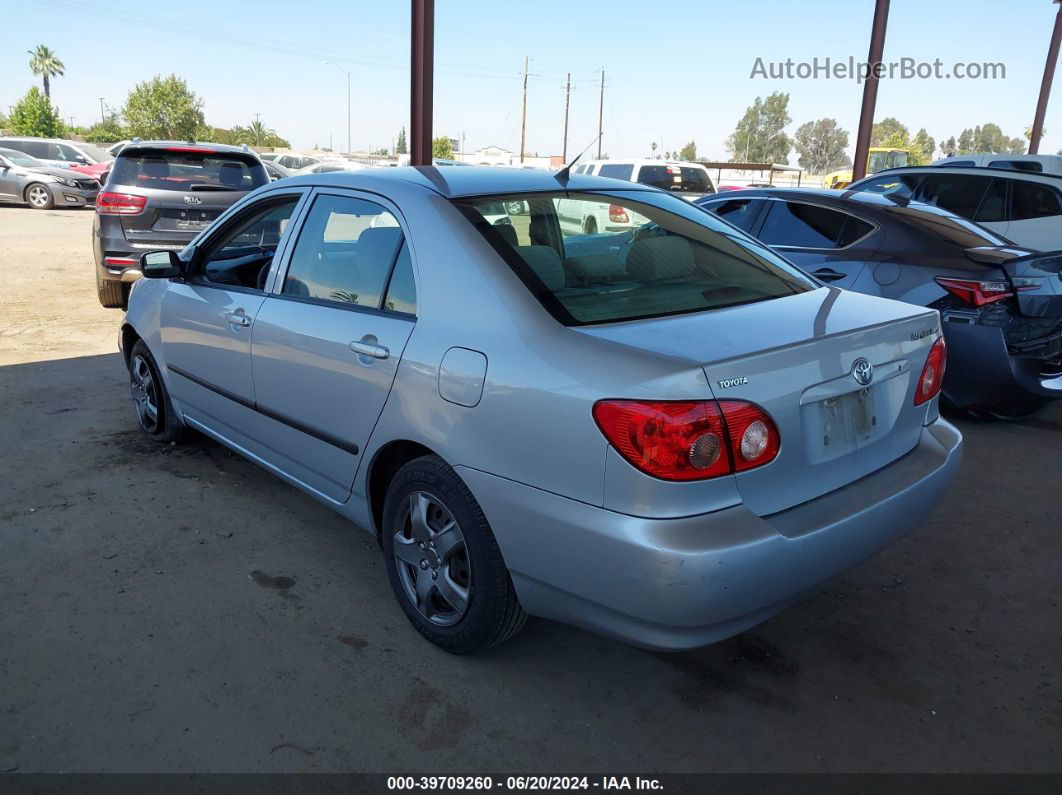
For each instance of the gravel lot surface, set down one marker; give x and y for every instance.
(179, 609)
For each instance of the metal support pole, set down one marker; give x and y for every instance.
(1045, 87)
(567, 99)
(422, 49)
(523, 115)
(601, 115)
(870, 89)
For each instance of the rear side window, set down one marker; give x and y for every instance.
(345, 253)
(668, 261)
(994, 205)
(957, 193)
(616, 171)
(810, 226)
(899, 185)
(37, 149)
(1032, 200)
(740, 212)
(679, 179)
(170, 169)
(1018, 165)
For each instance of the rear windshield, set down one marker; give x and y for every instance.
(164, 169)
(679, 179)
(947, 226)
(97, 154)
(592, 258)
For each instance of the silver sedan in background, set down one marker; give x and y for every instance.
(664, 434)
(27, 180)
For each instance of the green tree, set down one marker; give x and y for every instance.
(923, 147)
(4, 121)
(45, 64)
(760, 135)
(35, 115)
(688, 152)
(887, 128)
(949, 147)
(820, 146)
(400, 147)
(989, 138)
(163, 107)
(442, 148)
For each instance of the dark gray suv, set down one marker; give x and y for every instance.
(159, 195)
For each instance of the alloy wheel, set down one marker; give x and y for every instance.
(145, 393)
(431, 559)
(38, 196)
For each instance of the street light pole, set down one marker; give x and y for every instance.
(344, 71)
(102, 117)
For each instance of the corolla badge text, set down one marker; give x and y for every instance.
(726, 383)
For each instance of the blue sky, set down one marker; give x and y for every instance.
(675, 70)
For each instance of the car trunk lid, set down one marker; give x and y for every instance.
(1035, 278)
(798, 358)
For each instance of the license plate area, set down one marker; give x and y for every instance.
(839, 425)
(182, 220)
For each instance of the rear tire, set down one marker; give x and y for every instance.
(443, 561)
(151, 400)
(38, 196)
(112, 294)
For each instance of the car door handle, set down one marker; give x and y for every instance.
(364, 348)
(828, 275)
(237, 318)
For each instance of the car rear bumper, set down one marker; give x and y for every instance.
(981, 370)
(675, 584)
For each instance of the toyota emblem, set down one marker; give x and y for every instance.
(862, 371)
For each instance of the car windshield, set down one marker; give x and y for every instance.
(21, 159)
(97, 154)
(178, 169)
(641, 258)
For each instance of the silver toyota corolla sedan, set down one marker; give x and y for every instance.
(664, 434)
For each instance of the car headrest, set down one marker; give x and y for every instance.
(508, 233)
(379, 244)
(231, 174)
(655, 258)
(546, 263)
(156, 167)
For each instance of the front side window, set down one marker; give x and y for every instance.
(1033, 200)
(740, 212)
(810, 226)
(345, 252)
(242, 255)
(957, 193)
(670, 258)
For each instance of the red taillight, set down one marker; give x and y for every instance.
(197, 149)
(928, 386)
(688, 440)
(120, 203)
(617, 214)
(976, 293)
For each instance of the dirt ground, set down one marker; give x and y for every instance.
(179, 609)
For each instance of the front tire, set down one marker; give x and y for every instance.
(38, 196)
(443, 561)
(154, 412)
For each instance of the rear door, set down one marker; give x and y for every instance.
(329, 337)
(819, 240)
(187, 189)
(742, 213)
(207, 319)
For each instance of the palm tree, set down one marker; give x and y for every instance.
(45, 63)
(258, 131)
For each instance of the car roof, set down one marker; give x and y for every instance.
(453, 183)
(830, 196)
(977, 171)
(622, 161)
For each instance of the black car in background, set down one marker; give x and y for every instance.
(161, 194)
(1000, 305)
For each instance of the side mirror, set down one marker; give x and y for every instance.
(160, 265)
(81, 160)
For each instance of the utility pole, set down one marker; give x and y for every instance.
(601, 115)
(1045, 87)
(870, 89)
(421, 74)
(567, 99)
(257, 127)
(523, 118)
(102, 117)
(344, 71)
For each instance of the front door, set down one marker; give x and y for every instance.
(329, 337)
(207, 319)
